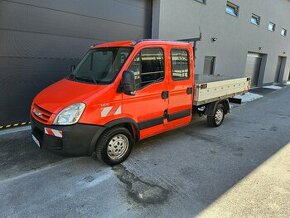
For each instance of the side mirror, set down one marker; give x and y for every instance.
(128, 83)
(72, 68)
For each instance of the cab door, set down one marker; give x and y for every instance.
(180, 87)
(149, 104)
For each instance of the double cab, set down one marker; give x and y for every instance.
(123, 92)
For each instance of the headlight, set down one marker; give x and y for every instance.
(70, 115)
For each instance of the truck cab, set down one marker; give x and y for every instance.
(120, 93)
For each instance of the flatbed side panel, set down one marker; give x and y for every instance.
(213, 91)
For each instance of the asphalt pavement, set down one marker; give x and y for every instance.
(240, 169)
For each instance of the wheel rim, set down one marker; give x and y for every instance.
(219, 115)
(118, 146)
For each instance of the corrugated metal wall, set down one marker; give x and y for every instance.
(41, 39)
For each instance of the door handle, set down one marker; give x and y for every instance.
(189, 90)
(164, 94)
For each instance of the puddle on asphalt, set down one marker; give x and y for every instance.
(141, 191)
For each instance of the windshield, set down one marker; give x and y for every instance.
(101, 65)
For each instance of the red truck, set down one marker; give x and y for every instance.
(123, 92)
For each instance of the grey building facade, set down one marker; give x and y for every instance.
(41, 39)
(236, 40)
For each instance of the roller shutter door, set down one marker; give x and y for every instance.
(41, 39)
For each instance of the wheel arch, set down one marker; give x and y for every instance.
(211, 107)
(226, 105)
(128, 123)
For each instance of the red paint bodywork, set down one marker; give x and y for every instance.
(147, 104)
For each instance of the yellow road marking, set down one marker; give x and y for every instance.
(14, 125)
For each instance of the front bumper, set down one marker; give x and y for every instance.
(77, 139)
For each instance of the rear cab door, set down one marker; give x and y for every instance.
(180, 86)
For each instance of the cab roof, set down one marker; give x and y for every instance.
(132, 43)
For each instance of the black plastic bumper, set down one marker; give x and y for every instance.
(78, 139)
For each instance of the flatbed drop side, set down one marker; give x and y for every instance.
(123, 92)
(215, 88)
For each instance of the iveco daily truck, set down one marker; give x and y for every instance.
(123, 92)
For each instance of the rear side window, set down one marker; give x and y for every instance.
(180, 64)
(148, 67)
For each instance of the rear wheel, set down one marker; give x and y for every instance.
(218, 116)
(114, 146)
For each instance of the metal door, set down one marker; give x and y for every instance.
(280, 69)
(253, 67)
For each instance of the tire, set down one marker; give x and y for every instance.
(114, 146)
(217, 119)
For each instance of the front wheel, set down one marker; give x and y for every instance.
(114, 146)
(218, 116)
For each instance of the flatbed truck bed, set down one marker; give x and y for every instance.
(215, 88)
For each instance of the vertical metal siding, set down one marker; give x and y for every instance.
(41, 39)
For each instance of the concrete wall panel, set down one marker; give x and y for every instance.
(236, 36)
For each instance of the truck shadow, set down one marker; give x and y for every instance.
(200, 164)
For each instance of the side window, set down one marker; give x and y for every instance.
(180, 64)
(148, 67)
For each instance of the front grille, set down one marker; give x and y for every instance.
(40, 114)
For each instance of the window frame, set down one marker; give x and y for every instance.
(257, 17)
(285, 32)
(201, 1)
(139, 54)
(232, 6)
(274, 27)
(188, 64)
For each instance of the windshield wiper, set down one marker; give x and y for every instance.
(71, 76)
(86, 79)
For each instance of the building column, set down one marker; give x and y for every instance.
(156, 10)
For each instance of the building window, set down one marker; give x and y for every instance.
(148, 67)
(180, 64)
(232, 9)
(271, 27)
(283, 32)
(255, 19)
(201, 1)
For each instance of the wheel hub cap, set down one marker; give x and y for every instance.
(219, 116)
(118, 146)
